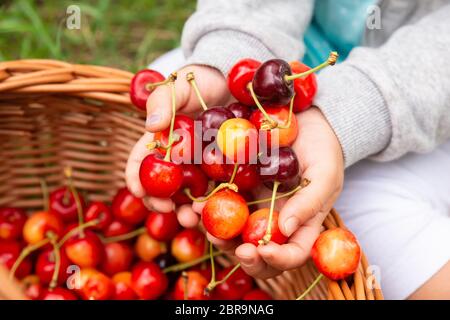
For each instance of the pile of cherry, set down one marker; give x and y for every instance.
(127, 252)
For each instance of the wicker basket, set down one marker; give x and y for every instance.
(54, 114)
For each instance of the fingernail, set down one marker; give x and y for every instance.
(290, 226)
(152, 119)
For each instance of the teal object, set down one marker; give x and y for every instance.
(337, 25)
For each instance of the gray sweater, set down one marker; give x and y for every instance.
(391, 96)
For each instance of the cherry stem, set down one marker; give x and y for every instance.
(191, 79)
(210, 287)
(235, 170)
(185, 265)
(126, 236)
(68, 174)
(266, 239)
(184, 275)
(221, 186)
(331, 61)
(271, 122)
(312, 286)
(291, 108)
(158, 145)
(303, 184)
(172, 121)
(25, 253)
(152, 85)
(57, 256)
(44, 189)
(75, 230)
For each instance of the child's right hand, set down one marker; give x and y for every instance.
(213, 87)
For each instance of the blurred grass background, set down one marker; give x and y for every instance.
(126, 34)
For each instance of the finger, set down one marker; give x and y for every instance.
(228, 246)
(252, 263)
(198, 206)
(187, 217)
(159, 204)
(138, 153)
(295, 253)
(308, 201)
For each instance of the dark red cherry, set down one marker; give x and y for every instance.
(241, 74)
(128, 208)
(62, 203)
(214, 164)
(12, 221)
(305, 87)
(240, 110)
(212, 118)
(148, 280)
(162, 226)
(193, 179)
(9, 252)
(160, 178)
(280, 166)
(247, 176)
(236, 286)
(58, 294)
(118, 258)
(45, 266)
(138, 92)
(99, 211)
(269, 82)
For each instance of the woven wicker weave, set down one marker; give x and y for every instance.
(54, 114)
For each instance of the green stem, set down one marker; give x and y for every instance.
(185, 265)
(185, 285)
(303, 184)
(126, 236)
(151, 86)
(68, 173)
(330, 62)
(75, 230)
(214, 283)
(272, 123)
(266, 239)
(191, 79)
(221, 186)
(235, 170)
(172, 121)
(57, 256)
(291, 108)
(308, 290)
(25, 253)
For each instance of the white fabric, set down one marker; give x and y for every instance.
(399, 211)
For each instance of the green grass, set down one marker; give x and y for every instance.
(118, 33)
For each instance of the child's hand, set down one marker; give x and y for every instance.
(301, 216)
(213, 87)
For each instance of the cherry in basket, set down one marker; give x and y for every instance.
(12, 221)
(188, 245)
(148, 280)
(191, 285)
(128, 208)
(62, 202)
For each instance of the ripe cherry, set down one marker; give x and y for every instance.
(117, 228)
(281, 166)
(240, 110)
(45, 266)
(32, 287)
(12, 221)
(162, 226)
(257, 294)
(247, 176)
(225, 214)
(237, 139)
(160, 178)
(57, 294)
(139, 92)
(285, 136)
(148, 248)
(62, 203)
(236, 286)
(39, 224)
(241, 74)
(191, 286)
(213, 165)
(9, 252)
(336, 253)
(86, 251)
(95, 285)
(148, 281)
(305, 88)
(122, 284)
(118, 258)
(128, 208)
(188, 245)
(256, 227)
(193, 179)
(99, 211)
(213, 118)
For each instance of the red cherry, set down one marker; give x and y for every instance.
(39, 224)
(95, 285)
(256, 227)
(188, 245)
(241, 74)
(236, 286)
(212, 118)
(86, 251)
(12, 221)
(148, 248)
(9, 252)
(160, 178)
(122, 284)
(57, 294)
(138, 92)
(195, 180)
(98, 211)
(336, 253)
(162, 226)
(305, 87)
(183, 149)
(118, 258)
(225, 214)
(128, 208)
(45, 266)
(286, 136)
(213, 165)
(148, 281)
(196, 285)
(247, 176)
(240, 110)
(117, 228)
(62, 203)
(257, 294)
